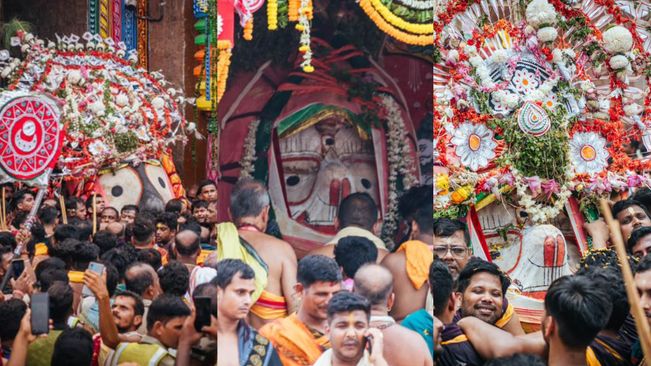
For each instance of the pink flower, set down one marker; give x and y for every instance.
(534, 184)
(634, 180)
(550, 188)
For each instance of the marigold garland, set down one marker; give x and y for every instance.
(223, 64)
(399, 22)
(248, 30)
(392, 30)
(272, 14)
(292, 10)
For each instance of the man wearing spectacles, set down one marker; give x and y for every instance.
(451, 244)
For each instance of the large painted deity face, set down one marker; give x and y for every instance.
(146, 185)
(321, 165)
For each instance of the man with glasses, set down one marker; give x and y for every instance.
(451, 244)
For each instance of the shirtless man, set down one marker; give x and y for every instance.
(402, 347)
(250, 213)
(357, 216)
(410, 264)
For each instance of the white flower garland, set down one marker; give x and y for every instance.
(248, 158)
(305, 41)
(400, 162)
(541, 213)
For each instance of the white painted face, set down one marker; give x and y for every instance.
(147, 186)
(322, 165)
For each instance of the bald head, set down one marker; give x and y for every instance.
(142, 279)
(116, 228)
(187, 243)
(375, 283)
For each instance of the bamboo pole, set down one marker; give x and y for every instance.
(633, 298)
(3, 211)
(62, 206)
(94, 213)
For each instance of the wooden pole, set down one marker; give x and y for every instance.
(62, 206)
(633, 298)
(3, 211)
(94, 213)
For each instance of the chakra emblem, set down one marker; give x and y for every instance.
(533, 120)
(30, 137)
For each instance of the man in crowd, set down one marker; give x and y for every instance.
(643, 284)
(207, 191)
(128, 214)
(421, 321)
(357, 215)
(351, 253)
(300, 338)
(575, 311)
(410, 264)
(109, 215)
(273, 260)
(166, 227)
(142, 279)
(239, 343)
(353, 341)
(143, 236)
(639, 244)
(402, 347)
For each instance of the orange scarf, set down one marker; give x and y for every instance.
(294, 342)
(419, 258)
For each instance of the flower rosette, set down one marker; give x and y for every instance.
(113, 110)
(538, 74)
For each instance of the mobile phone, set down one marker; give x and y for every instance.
(40, 306)
(97, 268)
(202, 307)
(368, 343)
(17, 267)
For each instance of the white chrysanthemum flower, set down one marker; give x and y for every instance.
(588, 152)
(98, 148)
(618, 62)
(547, 34)
(540, 12)
(617, 40)
(474, 145)
(632, 109)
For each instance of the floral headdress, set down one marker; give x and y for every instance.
(112, 111)
(539, 96)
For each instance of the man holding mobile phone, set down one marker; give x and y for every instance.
(353, 341)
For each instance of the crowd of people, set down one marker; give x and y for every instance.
(121, 285)
(356, 300)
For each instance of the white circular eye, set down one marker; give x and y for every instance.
(29, 128)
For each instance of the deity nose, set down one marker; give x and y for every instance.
(339, 189)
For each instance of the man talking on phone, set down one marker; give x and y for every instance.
(353, 342)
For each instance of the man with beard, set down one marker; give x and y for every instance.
(643, 284)
(482, 287)
(630, 214)
(353, 341)
(237, 342)
(300, 338)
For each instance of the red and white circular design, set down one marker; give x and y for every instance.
(30, 136)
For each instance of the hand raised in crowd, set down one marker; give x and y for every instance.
(23, 285)
(97, 284)
(599, 232)
(377, 347)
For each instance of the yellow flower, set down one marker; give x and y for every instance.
(248, 30)
(300, 27)
(308, 68)
(442, 183)
(461, 194)
(406, 36)
(272, 15)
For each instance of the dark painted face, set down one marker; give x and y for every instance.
(147, 186)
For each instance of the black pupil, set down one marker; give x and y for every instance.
(116, 191)
(293, 180)
(329, 141)
(161, 182)
(366, 183)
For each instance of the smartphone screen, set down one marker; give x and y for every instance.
(202, 306)
(17, 267)
(97, 268)
(40, 306)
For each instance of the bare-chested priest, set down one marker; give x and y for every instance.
(357, 215)
(273, 260)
